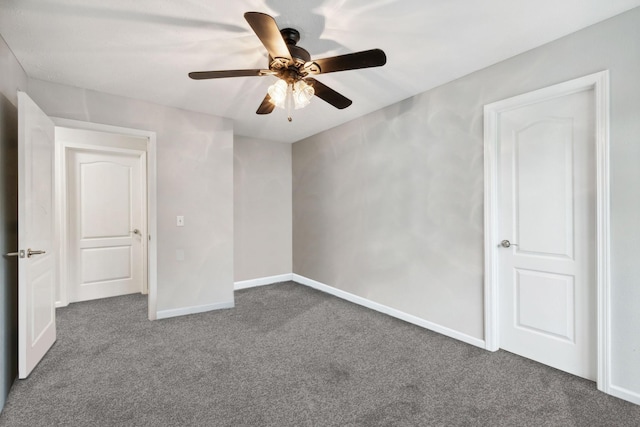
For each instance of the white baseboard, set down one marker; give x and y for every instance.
(244, 284)
(624, 394)
(165, 314)
(389, 311)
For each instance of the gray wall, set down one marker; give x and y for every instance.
(390, 207)
(12, 79)
(194, 179)
(262, 208)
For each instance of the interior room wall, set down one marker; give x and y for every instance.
(194, 179)
(12, 79)
(262, 208)
(390, 206)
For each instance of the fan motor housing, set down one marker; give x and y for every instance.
(299, 55)
(291, 37)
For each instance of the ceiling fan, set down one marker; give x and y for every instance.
(293, 67)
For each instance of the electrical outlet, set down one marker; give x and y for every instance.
(180, 221)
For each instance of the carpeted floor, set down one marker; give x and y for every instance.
(288, 355)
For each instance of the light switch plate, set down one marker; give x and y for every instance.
(180, 221)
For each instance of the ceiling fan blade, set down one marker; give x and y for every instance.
(350, 61)
(266, 107)
(329, 95)
(268, 32)
(200, 75)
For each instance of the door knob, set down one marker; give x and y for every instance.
(30, 253)
(505, 244)
(135, 231)
(18, 254)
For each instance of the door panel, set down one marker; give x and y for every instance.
(106, 193)
(544, 303)
(106, 190)
(41, 280)
(104, 264)
(547, 210)
(544, 200)
(37, 274)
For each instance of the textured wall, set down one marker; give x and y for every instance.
(12, 79)
(390, 207)
(262, 208)
(194, 179)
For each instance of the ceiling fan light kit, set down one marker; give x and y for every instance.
(290, 96)
(293, 67)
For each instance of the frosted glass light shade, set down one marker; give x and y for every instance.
(278, 93)
(302, 94)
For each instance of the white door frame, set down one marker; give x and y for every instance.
(61, 183)
(599, 83)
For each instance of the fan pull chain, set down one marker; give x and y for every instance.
(289, 101)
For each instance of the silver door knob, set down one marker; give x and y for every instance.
(18, 254)
(135, 231)
(505, 244)
(30, 253)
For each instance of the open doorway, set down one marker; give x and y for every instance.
(106, 218)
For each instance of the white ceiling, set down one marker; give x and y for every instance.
(145, 48)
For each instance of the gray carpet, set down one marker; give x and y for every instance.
(288, 355)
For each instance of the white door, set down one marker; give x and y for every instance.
(37, 257)
(106, 193)
(547, 213)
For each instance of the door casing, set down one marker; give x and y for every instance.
(61, 221)
(599, 84)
